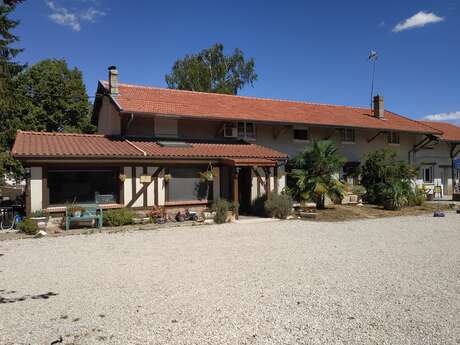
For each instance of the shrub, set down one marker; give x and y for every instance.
(221, 207)
(278, 205)
(118, 217)
(386, 178)
(258, 206)
(28, 226)
(358, 190)
(315, 171)
(417, 197)
(395, 196)
(38, 214)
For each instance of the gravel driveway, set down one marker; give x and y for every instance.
(383, 281)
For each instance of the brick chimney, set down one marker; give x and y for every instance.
(379, 109)
(113, 80)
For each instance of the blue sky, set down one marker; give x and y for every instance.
(304, 50)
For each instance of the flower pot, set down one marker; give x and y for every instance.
(40, 221)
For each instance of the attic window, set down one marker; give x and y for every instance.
(174, 144)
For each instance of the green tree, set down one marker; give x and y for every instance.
(388, 180)
(212, 71)
(316, 173)
(8, 68)
(49, 97)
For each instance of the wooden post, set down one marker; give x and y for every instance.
(275, 178)
(267, 181)
(236, 171)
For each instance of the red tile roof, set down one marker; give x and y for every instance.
(69, 145)
(143, 99)
(449, 131)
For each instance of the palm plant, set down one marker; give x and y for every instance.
(316, 173)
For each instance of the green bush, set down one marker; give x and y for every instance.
(221, 207)
(417, 197)
(358, 190)
(387, 180)
(395, 196)
(28, 226)
(278, 205)
(118, 217)
(38, 214)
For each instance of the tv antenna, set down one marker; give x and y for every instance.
(373, 58)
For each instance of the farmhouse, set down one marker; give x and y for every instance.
(175, 148)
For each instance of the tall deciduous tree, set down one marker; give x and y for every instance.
(212, 71)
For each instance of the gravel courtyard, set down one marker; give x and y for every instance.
(382, 281)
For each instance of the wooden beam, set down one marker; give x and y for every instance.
(143, 190)
(275, 179)
(45, 189)
(235, 189)
(145, 194)
(267, 180)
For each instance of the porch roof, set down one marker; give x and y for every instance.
(449, 131)
(38, 145)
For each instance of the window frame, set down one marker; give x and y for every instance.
(344, 138)
(301, 129)
(430, 170)
(391, 136)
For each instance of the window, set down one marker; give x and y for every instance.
(185, 184)
(347, 135)
(393, 138)
(301, 134)
(250, 130)
(243, 130)
(427, 174)
(81, 186)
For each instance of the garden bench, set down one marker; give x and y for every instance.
(91, 212)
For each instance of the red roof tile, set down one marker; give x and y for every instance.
(449, 131)
(143, 99)
(63, 145)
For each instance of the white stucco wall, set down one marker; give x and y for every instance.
(282, 139)
(36, 189)
(128, 187)
(439, 158)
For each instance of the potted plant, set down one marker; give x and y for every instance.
(207, 176)
(40, 218)
(76, 210)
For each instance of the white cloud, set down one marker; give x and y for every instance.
(72, 18)
(417, 21)
(91, 14)
(452, 116)
(382, 24)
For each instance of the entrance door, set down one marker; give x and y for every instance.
(244, 190)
